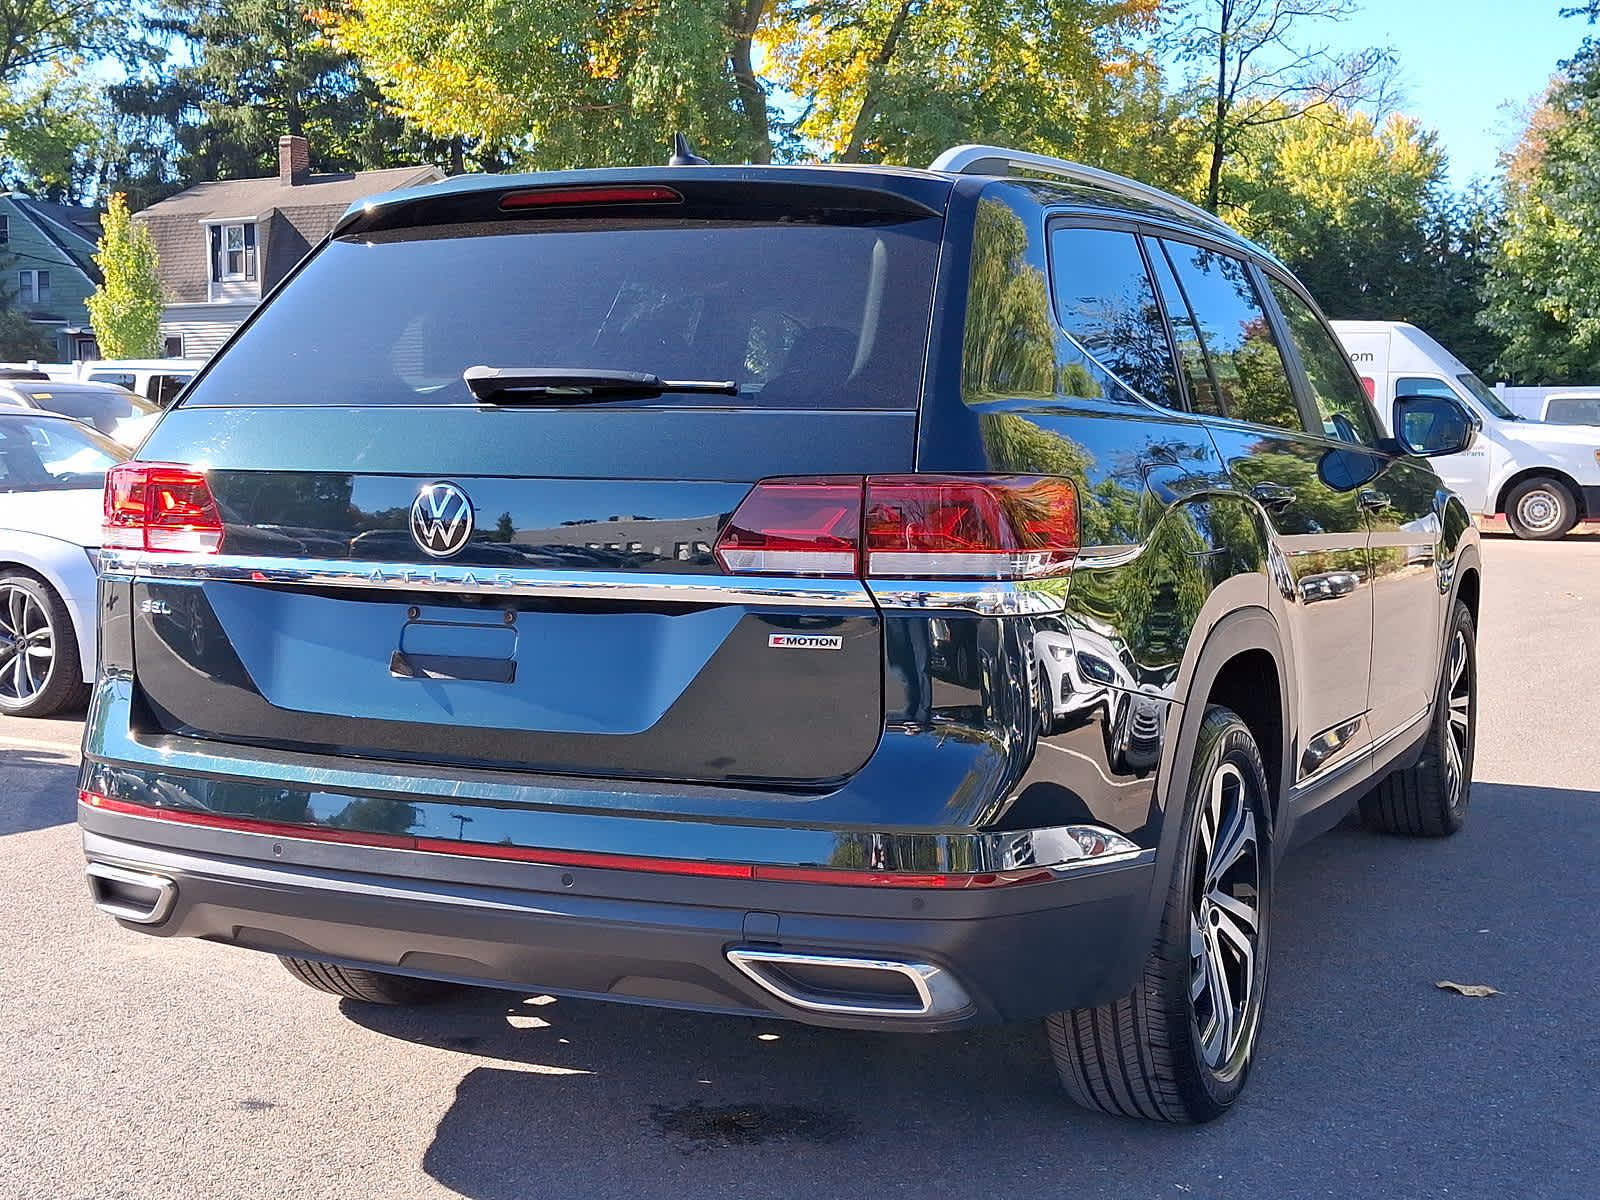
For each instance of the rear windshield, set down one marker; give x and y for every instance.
(799, 315)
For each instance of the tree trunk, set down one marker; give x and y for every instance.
(876, 70)
(1219, 125)
(743, 22)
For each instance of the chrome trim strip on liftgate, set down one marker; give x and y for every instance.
(985, 597)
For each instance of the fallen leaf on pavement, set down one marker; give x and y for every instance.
(1467, 989)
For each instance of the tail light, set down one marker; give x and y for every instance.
(905, 526)
(795, 527)
(161, 507)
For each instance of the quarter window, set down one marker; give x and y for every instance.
(1247, 368)
(1341, 401)
(1105, 302)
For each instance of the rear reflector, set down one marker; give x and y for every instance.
(162, 507)
(905, 526)
(558, 197)
(571, 858)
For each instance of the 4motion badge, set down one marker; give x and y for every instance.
(805, 641)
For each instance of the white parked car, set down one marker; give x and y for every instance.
(114, 411)
(158, 380)
(1542, 478)
(52, 476)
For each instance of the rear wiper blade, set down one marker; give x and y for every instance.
(579, 385)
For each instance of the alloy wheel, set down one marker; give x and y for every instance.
(1458, 741)
(1539, 511)
(1225, 917)
(27, 644)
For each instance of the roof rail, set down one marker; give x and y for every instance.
(997, 160)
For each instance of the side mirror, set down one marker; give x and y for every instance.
(1431, 426)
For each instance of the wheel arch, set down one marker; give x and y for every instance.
(66, 569)
(1543, 471)
(1236, 650)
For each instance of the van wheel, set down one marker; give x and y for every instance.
(1541, 509)
(1429, 799)
(39, 669)
(369, 987)
(1179, 1047)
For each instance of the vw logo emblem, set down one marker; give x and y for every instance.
(441, 519)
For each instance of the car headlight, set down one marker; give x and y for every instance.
(1057, 650)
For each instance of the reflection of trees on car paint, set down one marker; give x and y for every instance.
(1009, 343)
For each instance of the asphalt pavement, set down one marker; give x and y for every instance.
(132, 1067)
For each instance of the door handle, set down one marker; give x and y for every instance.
(1372, 500)
(1274, 497)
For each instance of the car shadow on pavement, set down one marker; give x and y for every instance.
(41, 790)
(1371, 1080)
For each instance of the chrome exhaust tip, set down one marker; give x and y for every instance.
(129, 895)
(852, 986)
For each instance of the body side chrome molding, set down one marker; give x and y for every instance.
(985, 597)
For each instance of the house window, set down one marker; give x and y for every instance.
(34, 287)
(5, 229)
(172, 345)
(233, 252)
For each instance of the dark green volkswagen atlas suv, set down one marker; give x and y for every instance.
(881, 598)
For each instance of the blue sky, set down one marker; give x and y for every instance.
(1467, 67)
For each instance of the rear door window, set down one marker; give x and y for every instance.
(1251, 379)
(802, 315)
(1107, 305)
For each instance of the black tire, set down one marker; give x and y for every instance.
(62, 686)
(1541, 509)
(369, 987)
(1429, 798)
(1149, 1054)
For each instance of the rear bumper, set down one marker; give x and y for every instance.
(1014, 953)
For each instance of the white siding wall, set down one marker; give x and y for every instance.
(203, 327)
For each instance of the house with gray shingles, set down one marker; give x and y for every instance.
(223, 245)
(47, 254)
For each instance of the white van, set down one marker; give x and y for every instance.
(1542, 478)
(158, 380)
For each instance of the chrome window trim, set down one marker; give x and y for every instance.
(986, 597)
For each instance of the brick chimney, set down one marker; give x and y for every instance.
(294, 161)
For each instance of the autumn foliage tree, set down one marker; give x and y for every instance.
(125, 310)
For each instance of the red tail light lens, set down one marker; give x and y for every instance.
(160, 507)
(795, 527)
(905, 526)
(1010, 527)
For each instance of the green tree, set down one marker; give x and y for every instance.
(39, 33)
(1251, 67)
(899, 80)
(125, 309)
(245, 72)
(1542, 294)
(563, 83)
